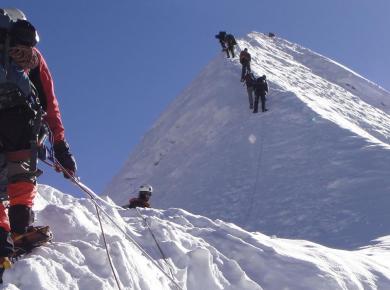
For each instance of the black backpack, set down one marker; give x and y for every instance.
(231, 40)
(15, 86)
(261, 86)
(221, 35)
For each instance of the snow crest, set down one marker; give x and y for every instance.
(201, 254)
(315, 166)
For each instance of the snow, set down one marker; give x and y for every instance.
(76, 259)
(201, 253)
(292, 199)
(314, 167)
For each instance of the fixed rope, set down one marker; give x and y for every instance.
(258, 167)
(101, 229)
(92, 195)
(155, 240)
(106, 247)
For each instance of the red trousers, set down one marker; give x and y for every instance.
(21, 187)
(16, 133)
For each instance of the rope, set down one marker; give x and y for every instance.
(258, 166)
(92, 195)
(106, 247)
(101, 229)
(155, 240)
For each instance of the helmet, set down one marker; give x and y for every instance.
(24, 33)
(264, 77)
(15, 14)
(146, 188)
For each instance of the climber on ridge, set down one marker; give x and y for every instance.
(245, 59)
(144, 194)
(261, 89)
(250, 81)
(27, 105)
(221, 36)
(230, 43)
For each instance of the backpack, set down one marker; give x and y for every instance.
(261, 86)
(221, 35)
(250, 79)
(16, 88)
(230, 39)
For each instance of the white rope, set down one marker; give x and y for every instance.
(88, 191)
(106, 247)
(157, 243)
(92, 196)
(258, 167)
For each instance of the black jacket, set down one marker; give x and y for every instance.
(221, 36)
(230, 40)
(250, 80)
(261, 87)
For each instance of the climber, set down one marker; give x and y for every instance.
(230, 43)
(221, 36)
(245, 59)
(250, 80)
(27, 103)
(144, 194)
(261, 89)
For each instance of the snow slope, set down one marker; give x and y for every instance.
(314, 167)
(202, 254)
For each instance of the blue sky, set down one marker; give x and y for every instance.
(117, 66)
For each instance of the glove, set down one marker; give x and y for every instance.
(65, 158)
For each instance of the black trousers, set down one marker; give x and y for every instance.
(16, 133)
(15, 129)
(230, 49)
(256, 106)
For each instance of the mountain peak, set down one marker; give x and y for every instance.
(313, 167)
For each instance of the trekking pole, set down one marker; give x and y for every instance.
(155, 240)
(92, 195)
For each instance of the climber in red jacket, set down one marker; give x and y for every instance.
(27, 102)
(144, 194)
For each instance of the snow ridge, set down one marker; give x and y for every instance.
(202, 253)
(313, 167)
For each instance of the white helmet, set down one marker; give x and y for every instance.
(15, 14)
(146, 188)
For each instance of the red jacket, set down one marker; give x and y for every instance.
(245, 56)
(138, 202)
(41, 78)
